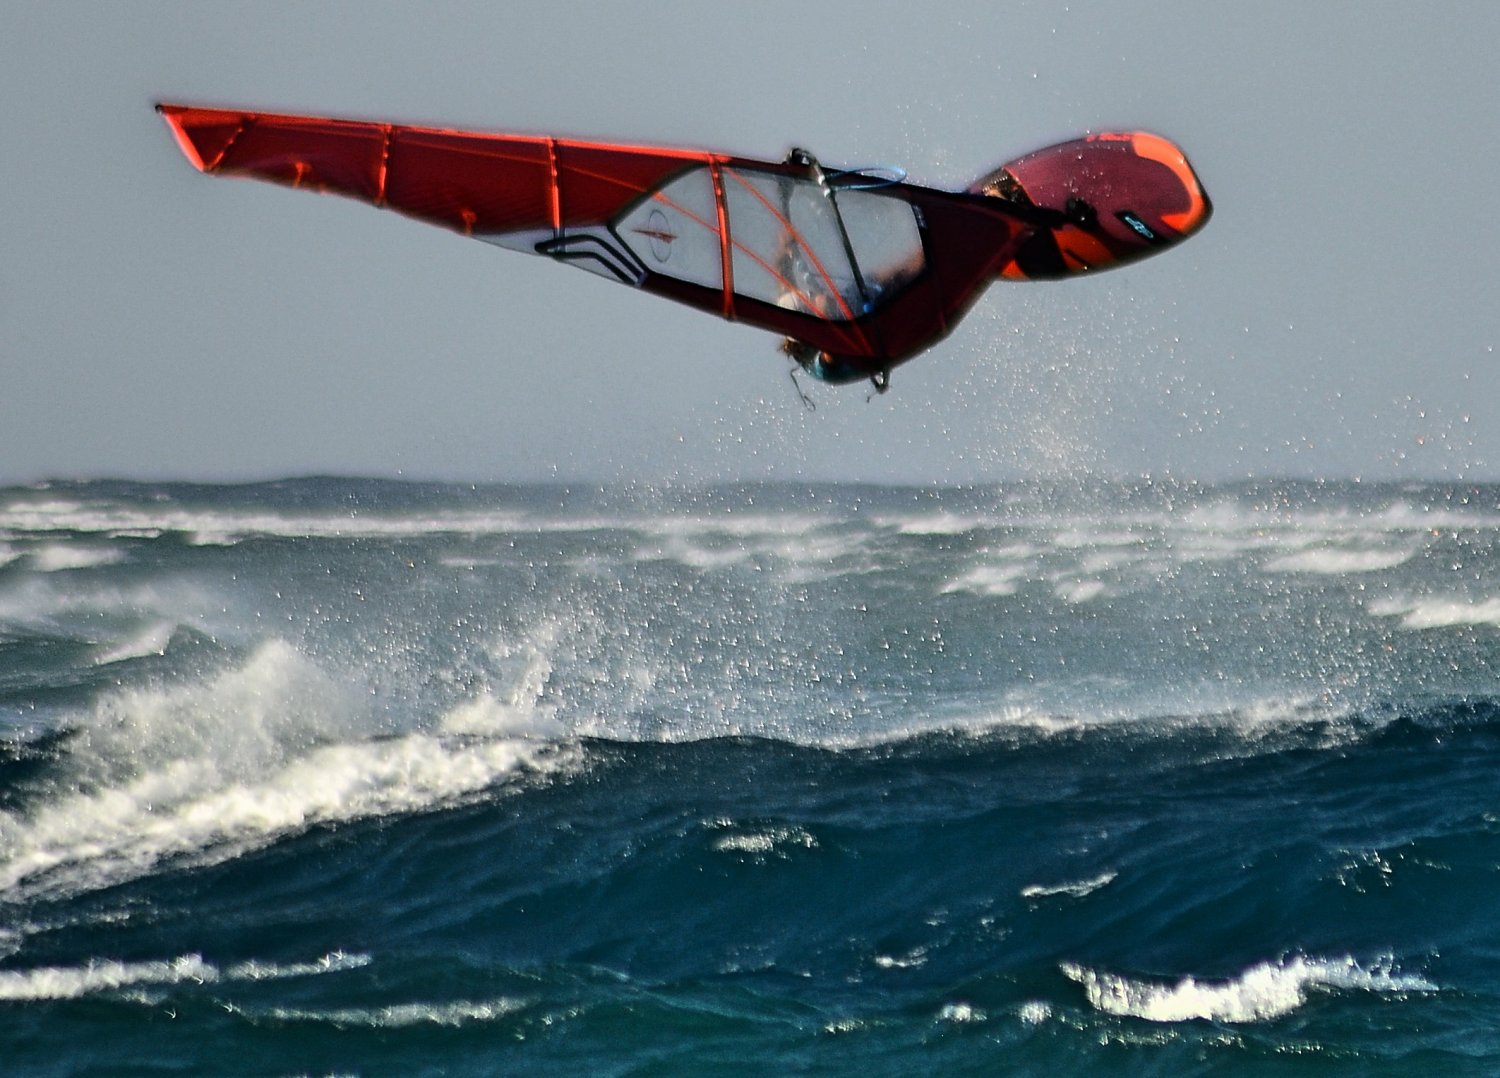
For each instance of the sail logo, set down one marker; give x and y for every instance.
(1136, 225)
(659, 233)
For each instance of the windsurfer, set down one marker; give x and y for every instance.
(828, 368)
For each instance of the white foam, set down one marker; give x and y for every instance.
(913, 959)
(203, 773)
(1111, 560)
(62, 557)
(1046, 710)
(759, 842)
(150, 640)
(991, 581)
(1094, 538)
(685, 551)
(957, 721)
(333, 962)
(515, 709)
(1221, 516)
(104, 975)
(1214, 548)
(1261, 993)
(792, 543)
(763, 842)
(1079, 592)
(1336, 561)
(227, 526)
(1439, 612)
(844, 1025)
(1075, 889)
(1402, 516)
(961, 1013)
(43, 599)
(489, 715)
(452, 1013)
(1034, 1012)
(934, 523)
(184, 810)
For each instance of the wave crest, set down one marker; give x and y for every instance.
(1263, 992)
(203, 773)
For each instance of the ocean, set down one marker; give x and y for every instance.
(348, 777)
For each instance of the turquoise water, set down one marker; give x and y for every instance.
(349, 777)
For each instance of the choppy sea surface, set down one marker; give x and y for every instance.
(333, 776)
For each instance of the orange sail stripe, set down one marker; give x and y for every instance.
(385, 164)
(1155, 148)
(726, 261)
(554, 188)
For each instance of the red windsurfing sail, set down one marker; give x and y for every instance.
(864, 271)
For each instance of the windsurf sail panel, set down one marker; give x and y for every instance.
(866, 271)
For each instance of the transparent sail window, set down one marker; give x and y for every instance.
(789, 249)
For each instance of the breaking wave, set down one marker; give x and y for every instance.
(101, 976)
(1261, 993)
(205, 772)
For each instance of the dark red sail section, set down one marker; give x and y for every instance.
(471, 182)
(467, 183)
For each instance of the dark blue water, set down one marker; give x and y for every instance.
(367, 778)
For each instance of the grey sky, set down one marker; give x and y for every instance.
(1337, 318)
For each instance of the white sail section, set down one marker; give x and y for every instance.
(675, 231)
(792, 242)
